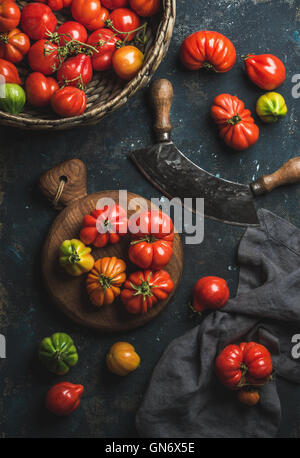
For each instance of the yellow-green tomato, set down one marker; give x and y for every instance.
(270, 107)
(75, 257)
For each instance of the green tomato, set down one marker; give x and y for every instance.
(12, 98)
(270, 107)
(58, 353)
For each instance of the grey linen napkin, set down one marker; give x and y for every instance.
(184, 398)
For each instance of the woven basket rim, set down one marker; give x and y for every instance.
(167, 23)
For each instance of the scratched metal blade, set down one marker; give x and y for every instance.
(176, 176)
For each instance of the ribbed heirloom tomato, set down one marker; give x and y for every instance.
(9, 15)
(89, 13)
(42, 57)
(37, 19)
(39, 89)
(69, 101)
(145, 8)
(9, 72)
(124, 20)
(14, 45)
(207, 49)
(104, 40)
(237, 127)
(71, 30)
(76, 71)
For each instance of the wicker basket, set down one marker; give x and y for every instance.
(106, 92)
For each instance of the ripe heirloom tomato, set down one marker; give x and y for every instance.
(86, 11)
(39, 89)
(42, 57)
(243, 365)
(210, 50)
(145, 8)
(10, 15)
(152, 246)
(127, 61)
(9, 72)
(125, 20)
(250, 398)
(265, 70)
(14, 45)
(113, 4)
(75, 71)
(37, 19)
(122, 359)
(69, 101)
(72, 30)
(237, 127)
(103, 59)
(63, 398)
(143, 289)
(99, 21)
(57, 5)
(210, 293)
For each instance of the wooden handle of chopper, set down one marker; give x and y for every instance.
(64, 183)
(289, 173)
(161, 94)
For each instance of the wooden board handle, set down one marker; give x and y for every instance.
(289, 173)
(161, 94)
(64, 183)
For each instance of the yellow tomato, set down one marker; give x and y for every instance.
(127, 61)
(122, 359)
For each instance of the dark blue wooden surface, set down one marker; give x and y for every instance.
(27, 315)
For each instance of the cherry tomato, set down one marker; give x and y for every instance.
(57, 5)
(99, 21)
(9, 72)
(37, 19)
(63, 398)
(124, 20)
(10, 15)
(127, 61)
(210, 293)
(76, 71)
(86, 11)
(69, 101)
(113, 4)
(265, 70)
(39, 89)
(145, 8)
(14, 45)
(42, 57)
(72, 30)
(103, 59)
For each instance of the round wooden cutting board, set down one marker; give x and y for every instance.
(69, 293)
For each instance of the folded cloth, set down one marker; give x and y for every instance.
(185, 399)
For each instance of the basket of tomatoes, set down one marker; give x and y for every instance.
(66, 63)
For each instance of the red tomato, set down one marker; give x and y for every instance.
(210, 293)
(124, 20)
(63, 398)
(104, 40)
(37, 19)
(10, 15)
(152, 246)
(9, 72)
(127, 61)
(242, 365)
(145, 288)
(210, 50)
(57, 5)
(86, 11)
(76, 71)
(39, 89)
(14, 45)
(266, 71)
(237, 127)
(99, 21)
(42, 57)
(113, 4)
(69, 101)
(72, 30)
(145, 8)
(102, 227)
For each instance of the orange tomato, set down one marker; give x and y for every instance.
(127, 61)
(145, 8)
(104, 280)
(122, 359)
(250, 398)
(14, 45)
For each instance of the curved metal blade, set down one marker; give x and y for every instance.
(176, 176)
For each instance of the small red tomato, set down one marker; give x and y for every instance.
(37, 19)
(72, 30)
(210, 293)
(145, 8)
(76, 71)
(85, 11)
(69, 101)
(63, 398)
(104, 40)
(265, 70)
(39, 89)
(14, 45)
(99, 21)
(113, 4)
(127, 61)
(124, 21)
(10, 15)
(42, 57)
(9, 72)
(57, 5)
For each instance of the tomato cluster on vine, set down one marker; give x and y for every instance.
(103, 35)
